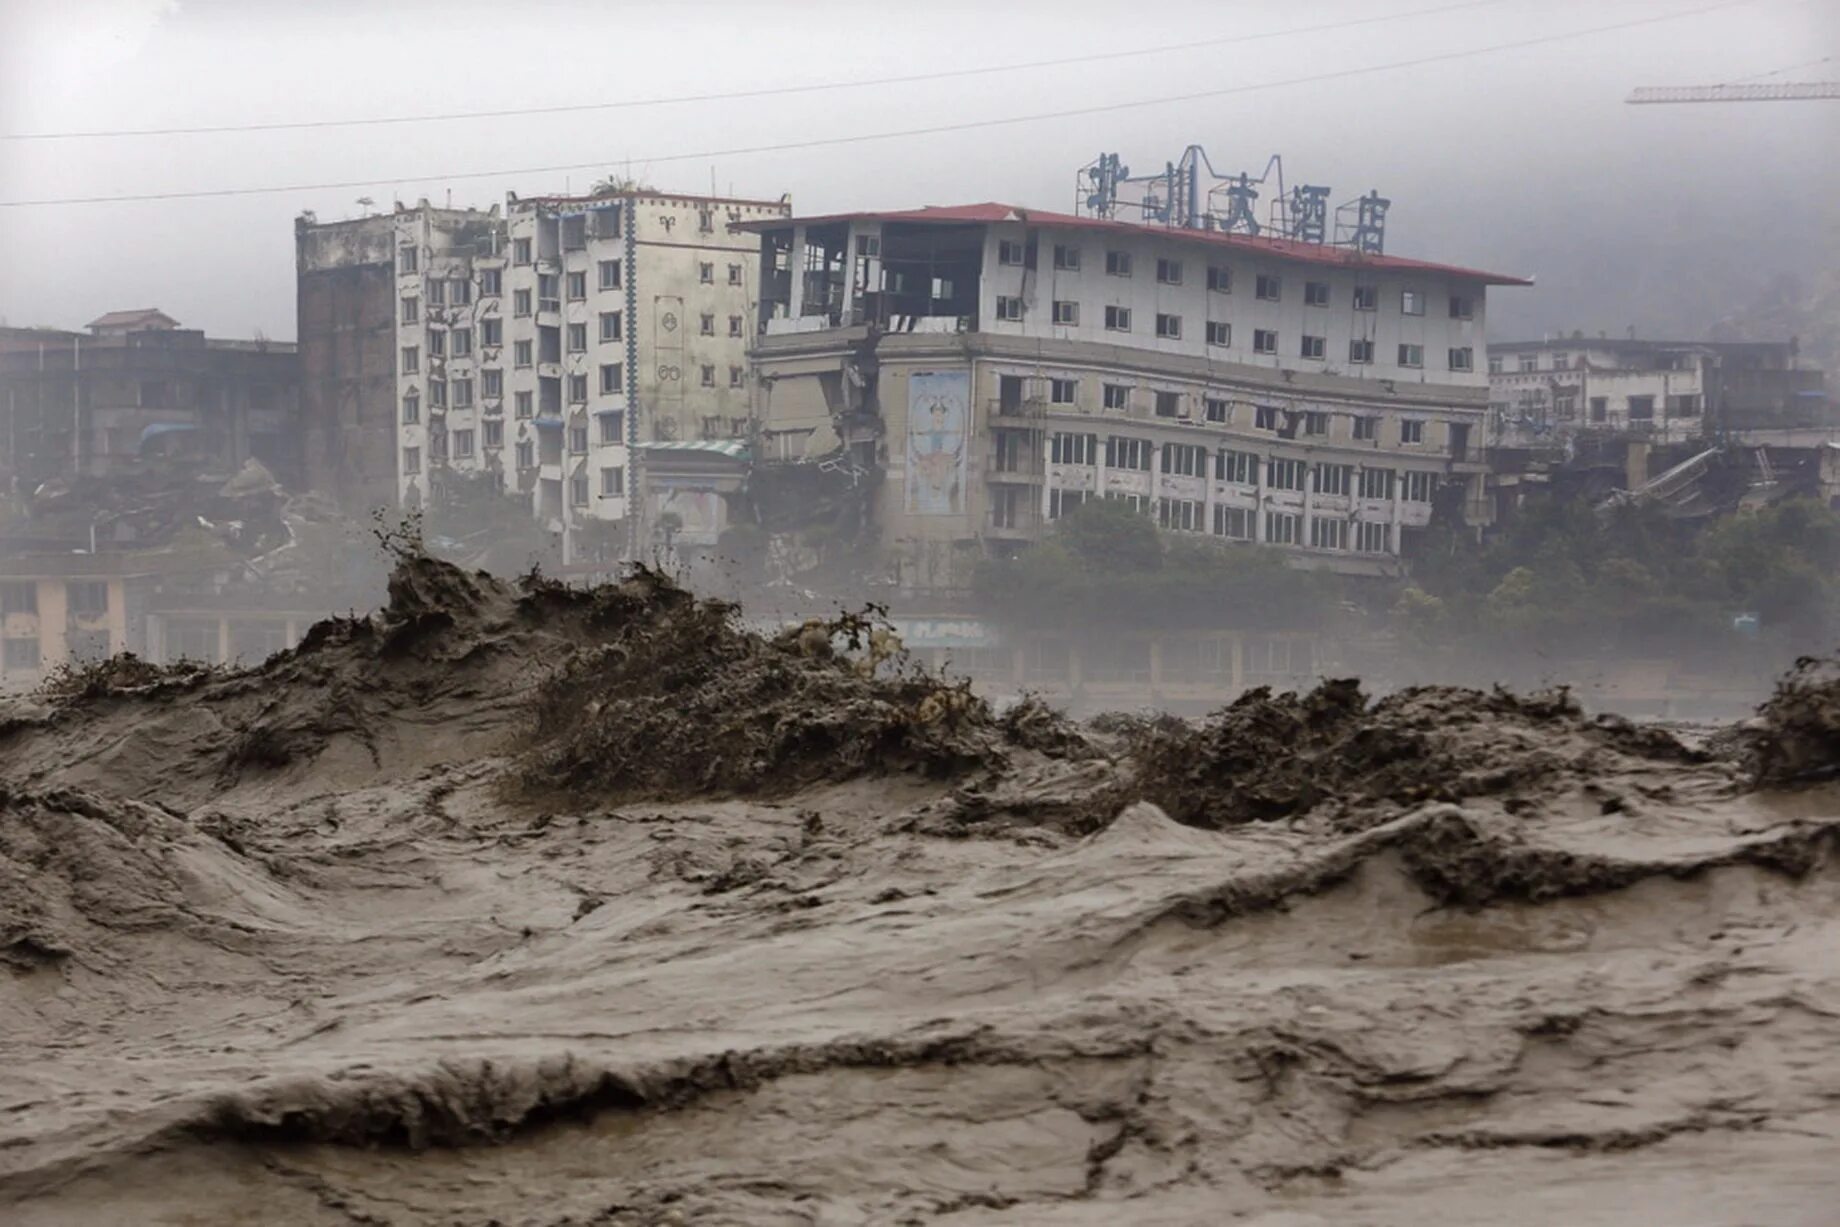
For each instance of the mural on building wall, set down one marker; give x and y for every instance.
(938, 452)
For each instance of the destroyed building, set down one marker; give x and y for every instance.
(1663, 391)
(989, 367)
(136, 385)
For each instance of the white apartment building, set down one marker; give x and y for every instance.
(1013, 363)
(541, 345)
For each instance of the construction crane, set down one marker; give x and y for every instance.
(1785, 92)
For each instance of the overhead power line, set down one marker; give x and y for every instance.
(1785, 92)
(931, 130)
(763, 92)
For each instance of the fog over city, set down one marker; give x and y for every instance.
(1660, 218)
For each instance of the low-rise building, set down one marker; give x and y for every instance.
(992, 367)
(134, 385)
(1565, 389)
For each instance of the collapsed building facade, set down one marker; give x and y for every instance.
(547, 346)
(134, 385)
(1701, 426)
(988, 368)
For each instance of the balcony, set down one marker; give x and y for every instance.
(1033, 407)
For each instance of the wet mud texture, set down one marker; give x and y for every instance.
(398, 928)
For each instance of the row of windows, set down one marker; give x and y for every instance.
(1218, 410)
(1268, 287)
(1240, 468)
(613, 478)
(84, 598)
(1220, 333)
(1238, 523)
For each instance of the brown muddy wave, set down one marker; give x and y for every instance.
(523, 904)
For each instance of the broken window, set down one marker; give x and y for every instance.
(1641, 408)
(1281, 527)
(1168, 405)
(1122, 452)
(1462, 308)
(1234, 523)
(1236, 468)
(1371, 538)
(1328, 534)
(1334, 478)
(1265, 417)
(1366, 298)
(1184, 460)
(1284, 474)
(1079, 449)
(1376, 483)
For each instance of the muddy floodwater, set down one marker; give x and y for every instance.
(522, 905)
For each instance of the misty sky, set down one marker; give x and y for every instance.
(1524, 160)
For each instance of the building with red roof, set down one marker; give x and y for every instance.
(991, 367)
